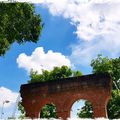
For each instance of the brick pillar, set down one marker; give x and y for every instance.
(100, 111)
(32, 113)
(63, 115)
(30, 110)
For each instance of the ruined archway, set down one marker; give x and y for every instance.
(64, 92)
(81, 109)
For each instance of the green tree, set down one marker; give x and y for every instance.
(77, 73)
(116, 72)
(86, 111)
(111, 66)
(21, 109)
(18, 23)
(113, 107)
(49, 110)
(56, 73)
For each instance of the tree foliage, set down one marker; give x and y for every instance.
(111, 66)
(18, 23)
(101, 65)
(21, 109)
(113, 107)
(48, 111)
(56, 73)
(86, 111)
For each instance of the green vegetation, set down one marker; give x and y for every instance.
(86, 111)
(18, 23)
(21, 109)
(111, 66)
(113, 107)
(48, 111)
(56, 73)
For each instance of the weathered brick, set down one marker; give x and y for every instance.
(95, 88)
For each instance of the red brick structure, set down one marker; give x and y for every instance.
(95, 88)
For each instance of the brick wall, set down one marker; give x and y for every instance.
(95, 88)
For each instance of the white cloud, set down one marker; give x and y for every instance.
(97, 25)
(91, 17)
(40, 60)
(83, 53)
(7, 95)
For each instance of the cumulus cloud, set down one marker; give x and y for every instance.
(97, 25)
(40, 60)
(91, 17)
(7, 95)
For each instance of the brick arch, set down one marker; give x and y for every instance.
(38, 104)
(95, 88)
(76, 99)
(100, 103)
(73, 100)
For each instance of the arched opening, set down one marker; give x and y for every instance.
(48, 111)
(81, 109)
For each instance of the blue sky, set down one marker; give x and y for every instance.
(74, 33)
